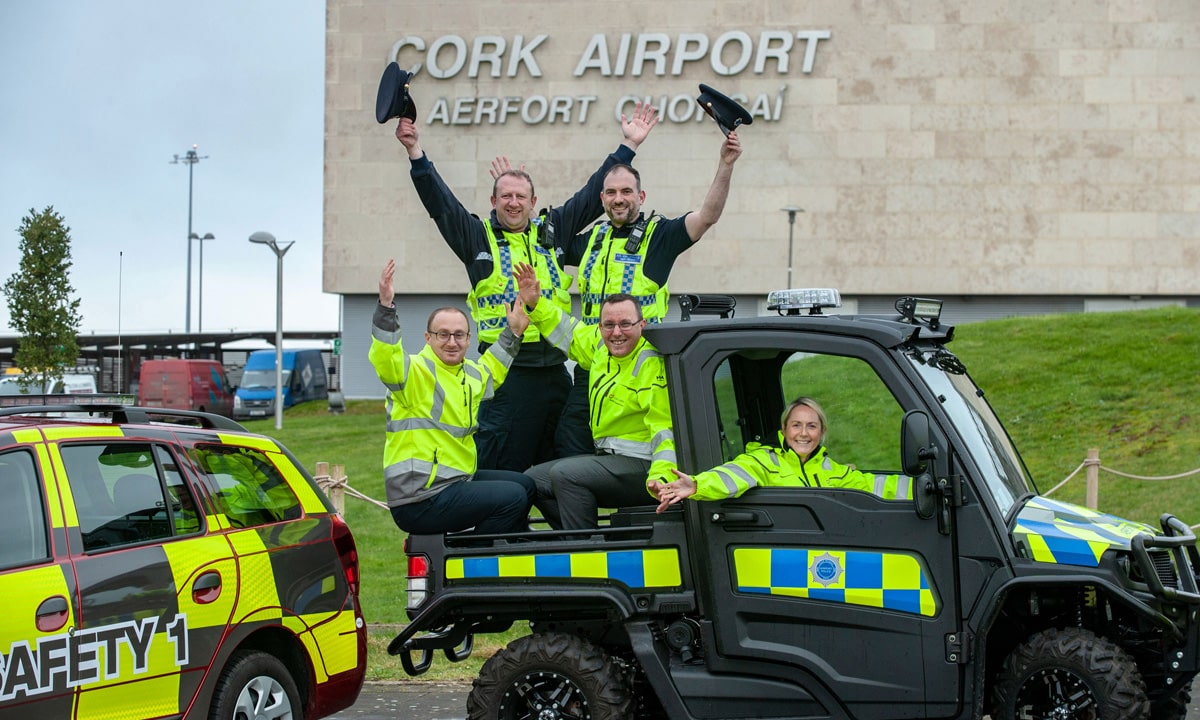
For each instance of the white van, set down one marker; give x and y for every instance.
(70, 384)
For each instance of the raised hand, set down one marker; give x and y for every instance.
(731, 149)
(636, 127)
(529, 289)
(387, 290)
(518, 319)
(406, 133)
(501, 165)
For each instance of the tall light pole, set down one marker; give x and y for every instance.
(266, 238)
(791, 210)
(120, 347)
(190, 159)
(200, 283)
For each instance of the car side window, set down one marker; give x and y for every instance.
(127, 493)
(185, 517)
(864, 417)
(22, 512)
(246, 485)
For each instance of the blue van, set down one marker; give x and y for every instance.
(304, 379)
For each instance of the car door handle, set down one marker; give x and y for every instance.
(207, 587)
(751, 518)
(52, 614)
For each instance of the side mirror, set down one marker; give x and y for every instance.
(916, 450)
(915, 445)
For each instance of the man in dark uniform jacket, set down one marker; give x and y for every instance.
(533, 396)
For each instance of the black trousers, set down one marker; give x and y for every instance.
(517, 426)
(574, 434)
(570, 490)
(490, 502)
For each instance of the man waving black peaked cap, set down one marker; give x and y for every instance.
(536, 389)
(393, 100)
(633, 254)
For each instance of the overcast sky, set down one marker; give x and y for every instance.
(98, 98)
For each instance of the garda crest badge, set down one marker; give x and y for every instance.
(825, 570)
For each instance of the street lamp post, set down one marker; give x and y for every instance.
(266, 238)
(200, 281)
(120, 346)
(791, 210)
(190, 159)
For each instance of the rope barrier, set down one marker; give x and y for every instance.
(1146, 477)
(1074, 472)
(1092, 463)
(335, 486)
(327, 483)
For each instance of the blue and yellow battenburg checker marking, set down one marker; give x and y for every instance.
(1066, 534)
(655, 568)
(893, 581)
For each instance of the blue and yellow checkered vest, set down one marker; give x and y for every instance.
(487, 299)
(617, 266)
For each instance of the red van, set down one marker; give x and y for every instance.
(181, 384)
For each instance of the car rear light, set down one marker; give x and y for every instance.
(418, 581)
(347, 551)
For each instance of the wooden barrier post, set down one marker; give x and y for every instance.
(1092, 464)
(337, 492)
(333, 485)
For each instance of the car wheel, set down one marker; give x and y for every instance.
(255, 686)
(1069, 673)
(550, 676)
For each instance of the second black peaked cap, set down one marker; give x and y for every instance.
(393, 100)
(723, 109)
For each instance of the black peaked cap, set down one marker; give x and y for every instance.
(723, 109)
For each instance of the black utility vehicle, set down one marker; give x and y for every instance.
(976, 596)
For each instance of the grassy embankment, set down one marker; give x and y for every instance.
(1125, 383)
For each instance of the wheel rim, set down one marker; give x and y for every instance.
(544, 695)
(263, 698)
(1056, 694)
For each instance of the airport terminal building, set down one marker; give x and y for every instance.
(1010, 157)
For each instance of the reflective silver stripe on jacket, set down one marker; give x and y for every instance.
(387, 337)
(901, 487)
(642, 357)
(428, 424)
(628, 448)
(728, 472)
(560, 336)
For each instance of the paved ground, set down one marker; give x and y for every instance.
(410, 701)
(448, 701)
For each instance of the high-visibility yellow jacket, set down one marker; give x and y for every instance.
(612, 266)
(489, 296)
(432, 409)
(630, 412)
(763, 465)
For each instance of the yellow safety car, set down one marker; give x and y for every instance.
(169, 564)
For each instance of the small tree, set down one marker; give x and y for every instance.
(39, 299)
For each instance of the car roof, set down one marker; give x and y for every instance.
(888, 331)
(84, 414)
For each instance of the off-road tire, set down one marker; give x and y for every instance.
(1069, 673)
(255, 685)
(550, 675)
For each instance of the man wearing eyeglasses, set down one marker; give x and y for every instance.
(429, 457)
(630, 414)
(539, 381)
